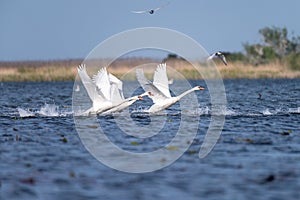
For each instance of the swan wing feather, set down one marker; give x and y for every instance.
(160, 79)
(149, 87)
(93, 92)
(116, 98)
(101, 80)
(118, 82)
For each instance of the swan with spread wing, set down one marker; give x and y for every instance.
(118, 97)
(159, 89)
(100, 98)
(105, 92)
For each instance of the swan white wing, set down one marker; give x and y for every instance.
(141, 78)
(158, 96)
(93, 92)
(115, 94)
(160, 79)
(149, 87)
(118, 82)
(101, 80)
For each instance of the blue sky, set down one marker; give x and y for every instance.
(65, 29)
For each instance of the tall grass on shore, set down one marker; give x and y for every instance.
(237, 70)
(66, 70)
(38, 70)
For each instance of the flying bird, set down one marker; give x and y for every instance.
(218, 55)
(151, 11)
(159, 89)
(105, 92)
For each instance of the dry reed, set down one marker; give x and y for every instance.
(66, 70)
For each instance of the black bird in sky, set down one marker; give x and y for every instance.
(151, 11)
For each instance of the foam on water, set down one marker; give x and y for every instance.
(224, 111)
(267, 112)
(228, 112)
(281, 111)
(53, 110)
(47, 110)
(294, 110)
(203, 110)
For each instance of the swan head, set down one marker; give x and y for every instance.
(135, 98)
(147, 94)
(140, 97)
(199, 88)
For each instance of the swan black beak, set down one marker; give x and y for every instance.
(201, 88)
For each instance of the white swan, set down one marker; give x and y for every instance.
(218, 55)
(99, 100)
(161, 96)
(105, 91)
(116, 94)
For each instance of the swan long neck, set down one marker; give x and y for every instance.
(144, 94)
(129, 99)
(185, 93)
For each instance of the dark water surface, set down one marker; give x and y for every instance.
(257, 156)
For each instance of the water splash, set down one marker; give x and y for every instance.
(203, 111)
(53, 110)
(223, 110)
(228, 112)
(220, 111)
(25, 113)
(47, 110)
(267, 112)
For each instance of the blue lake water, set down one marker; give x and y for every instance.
(256, 157)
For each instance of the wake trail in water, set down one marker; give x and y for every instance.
(206, 111)
(47, 110)
(52, 110)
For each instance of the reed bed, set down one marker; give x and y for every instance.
(66, 70)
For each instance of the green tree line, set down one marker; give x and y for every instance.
(276, 45)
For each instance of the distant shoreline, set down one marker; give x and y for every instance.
(66, 70)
